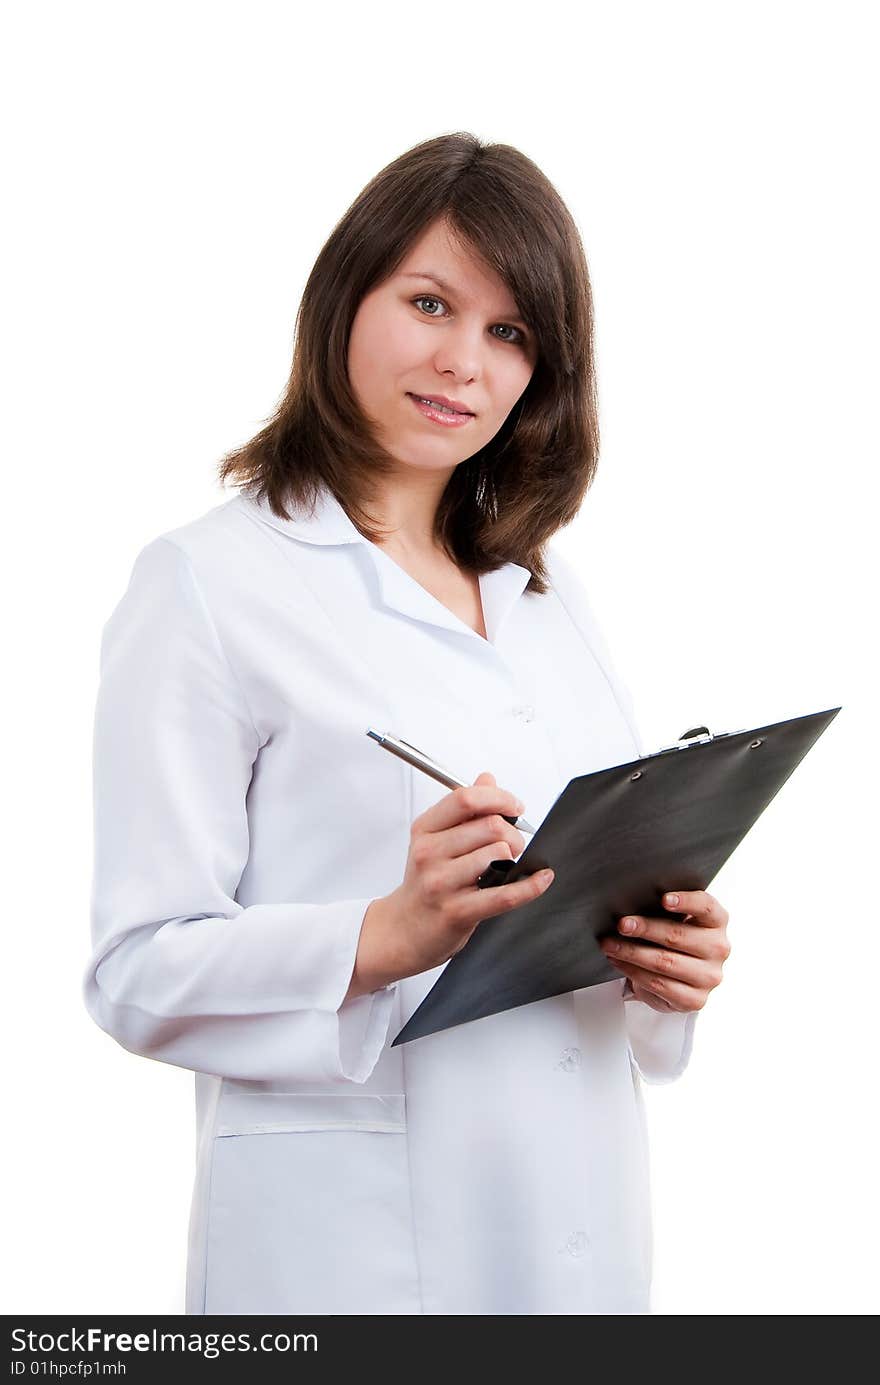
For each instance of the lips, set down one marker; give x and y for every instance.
(441, 418)
(440, 399)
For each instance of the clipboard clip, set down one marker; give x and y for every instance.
(701, 733)
(697, 735)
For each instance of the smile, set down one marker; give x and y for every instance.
(440, 414)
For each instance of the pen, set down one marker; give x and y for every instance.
(419, 760)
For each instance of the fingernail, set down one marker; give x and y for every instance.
(545, 876)
(672, 900)
(628, 926)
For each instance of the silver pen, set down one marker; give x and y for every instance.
(419, 760)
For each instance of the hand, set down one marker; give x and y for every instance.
(679, 974)
(430, 917)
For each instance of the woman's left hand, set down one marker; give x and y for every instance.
(680, 972)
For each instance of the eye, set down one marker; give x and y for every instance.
(425, 298)
(520, 335)
(518, 340)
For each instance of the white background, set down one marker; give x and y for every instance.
(173, 171)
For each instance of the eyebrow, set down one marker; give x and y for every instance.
(448, 288)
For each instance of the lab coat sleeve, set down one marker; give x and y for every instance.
(659, 1044)
(179, 971)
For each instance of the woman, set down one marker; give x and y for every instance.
(274, 895)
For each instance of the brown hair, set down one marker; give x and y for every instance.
(503, 503)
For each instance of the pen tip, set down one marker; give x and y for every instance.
(376, 736)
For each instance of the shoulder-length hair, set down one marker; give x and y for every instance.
(503, 503)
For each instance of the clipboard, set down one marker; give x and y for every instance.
(618, 839)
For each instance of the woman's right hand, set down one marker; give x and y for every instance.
(430, 917)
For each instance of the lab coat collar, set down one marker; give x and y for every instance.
(329, 524)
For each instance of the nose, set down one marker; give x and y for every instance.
(461, 353)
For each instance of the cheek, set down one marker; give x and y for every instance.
(383, 349)
(513, 383)
(403, 347)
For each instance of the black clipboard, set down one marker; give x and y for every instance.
(617, 839)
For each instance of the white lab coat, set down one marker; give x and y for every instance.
(243, 823)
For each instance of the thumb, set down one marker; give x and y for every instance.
(485, 778)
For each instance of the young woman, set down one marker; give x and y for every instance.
(274, 894)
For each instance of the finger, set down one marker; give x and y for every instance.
(678, 937)
(463, 872)
(677, 994)
(470, 801)
(482, 831)
(474, 905)
(678, 966)
(701, 907)
(639, 993)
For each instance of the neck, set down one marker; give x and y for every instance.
(406, 512)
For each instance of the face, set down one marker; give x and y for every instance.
(464, 341)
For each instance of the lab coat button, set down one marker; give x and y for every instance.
(570, 1060)
(577, 1243)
